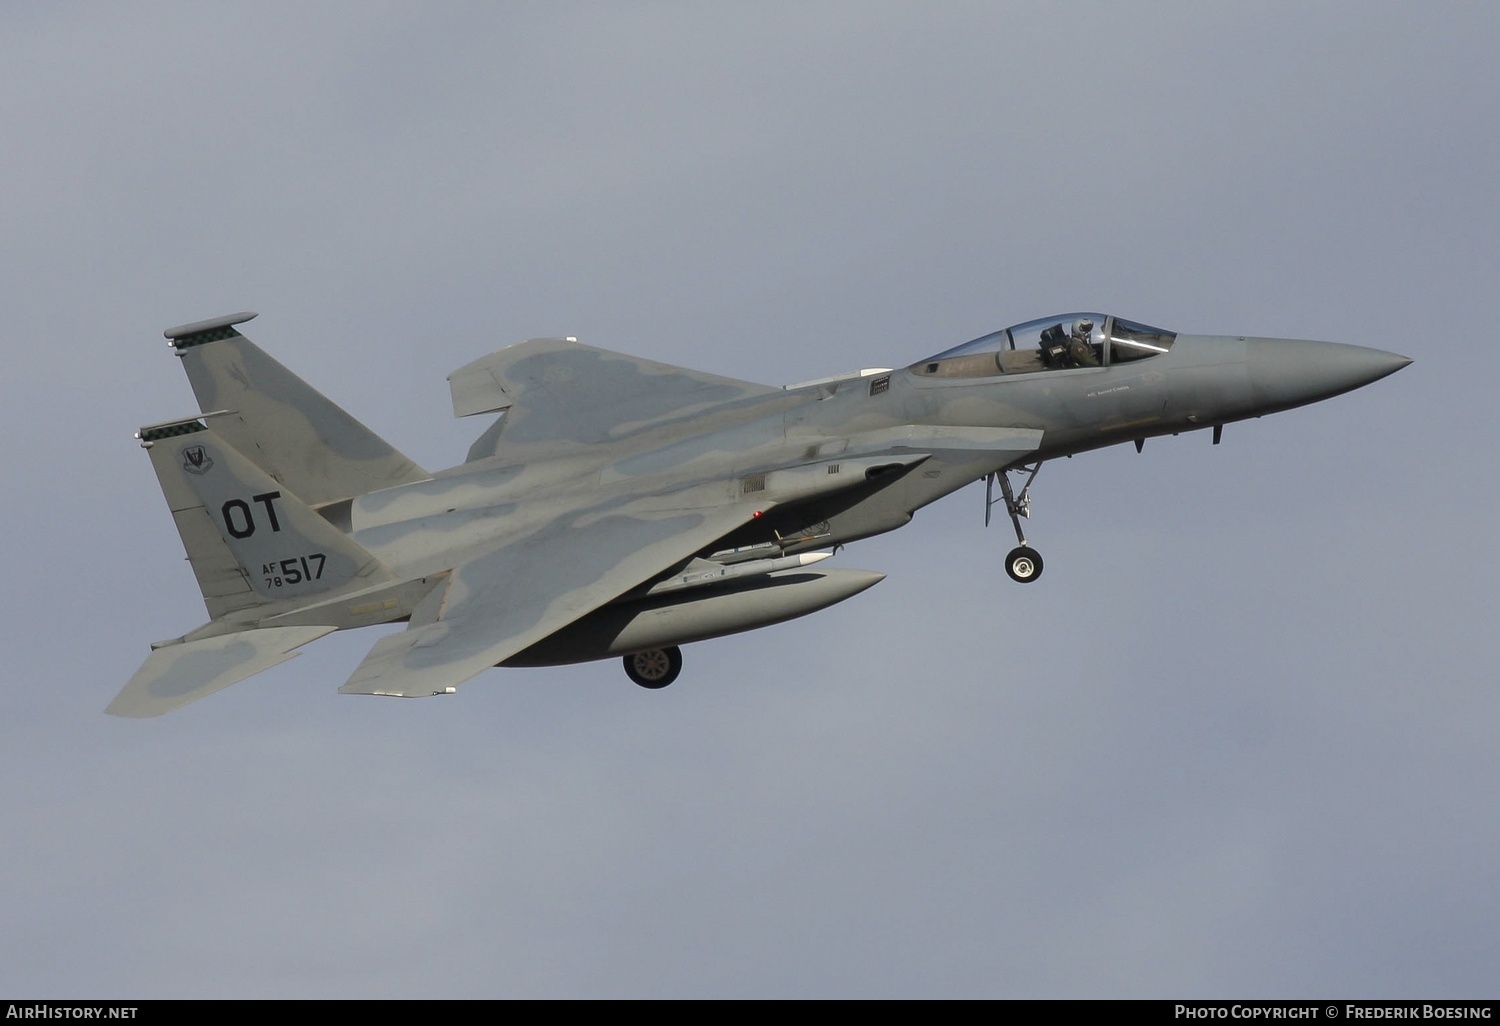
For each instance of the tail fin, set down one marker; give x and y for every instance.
(250, 540)
(282, 424)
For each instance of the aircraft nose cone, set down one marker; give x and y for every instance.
(1287, 372)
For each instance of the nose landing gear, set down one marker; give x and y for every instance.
(1022, 563)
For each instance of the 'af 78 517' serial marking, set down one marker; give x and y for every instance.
(294, 570)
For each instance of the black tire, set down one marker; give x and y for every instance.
(655, 667)
(1024, 564)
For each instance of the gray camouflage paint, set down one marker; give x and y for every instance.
(317, 449)
(605, 473)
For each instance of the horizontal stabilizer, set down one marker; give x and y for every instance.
(175, 675)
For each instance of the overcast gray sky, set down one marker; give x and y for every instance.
(1239, 741)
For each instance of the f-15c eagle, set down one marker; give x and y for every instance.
(621, 507)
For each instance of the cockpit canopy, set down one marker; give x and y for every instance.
(1051, 343)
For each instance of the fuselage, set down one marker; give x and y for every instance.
(1194, 382)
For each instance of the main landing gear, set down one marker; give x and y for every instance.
(655, 667)
(1023, 563)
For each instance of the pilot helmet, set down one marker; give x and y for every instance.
(1083, 327)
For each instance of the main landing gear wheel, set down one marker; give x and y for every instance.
(1024, 564)
(655, 667)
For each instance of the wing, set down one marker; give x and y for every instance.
(558, 391)
(174, 675)
(506, 600)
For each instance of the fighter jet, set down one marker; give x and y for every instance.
(619, 507)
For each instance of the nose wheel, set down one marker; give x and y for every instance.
(1022, 563)
(655, 667)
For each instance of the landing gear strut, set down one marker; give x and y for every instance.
(1023, 563)
(655, 667)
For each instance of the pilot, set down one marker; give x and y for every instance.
(1079, 350)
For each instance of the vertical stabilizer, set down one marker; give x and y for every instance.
(250, 540)
(279, 422)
